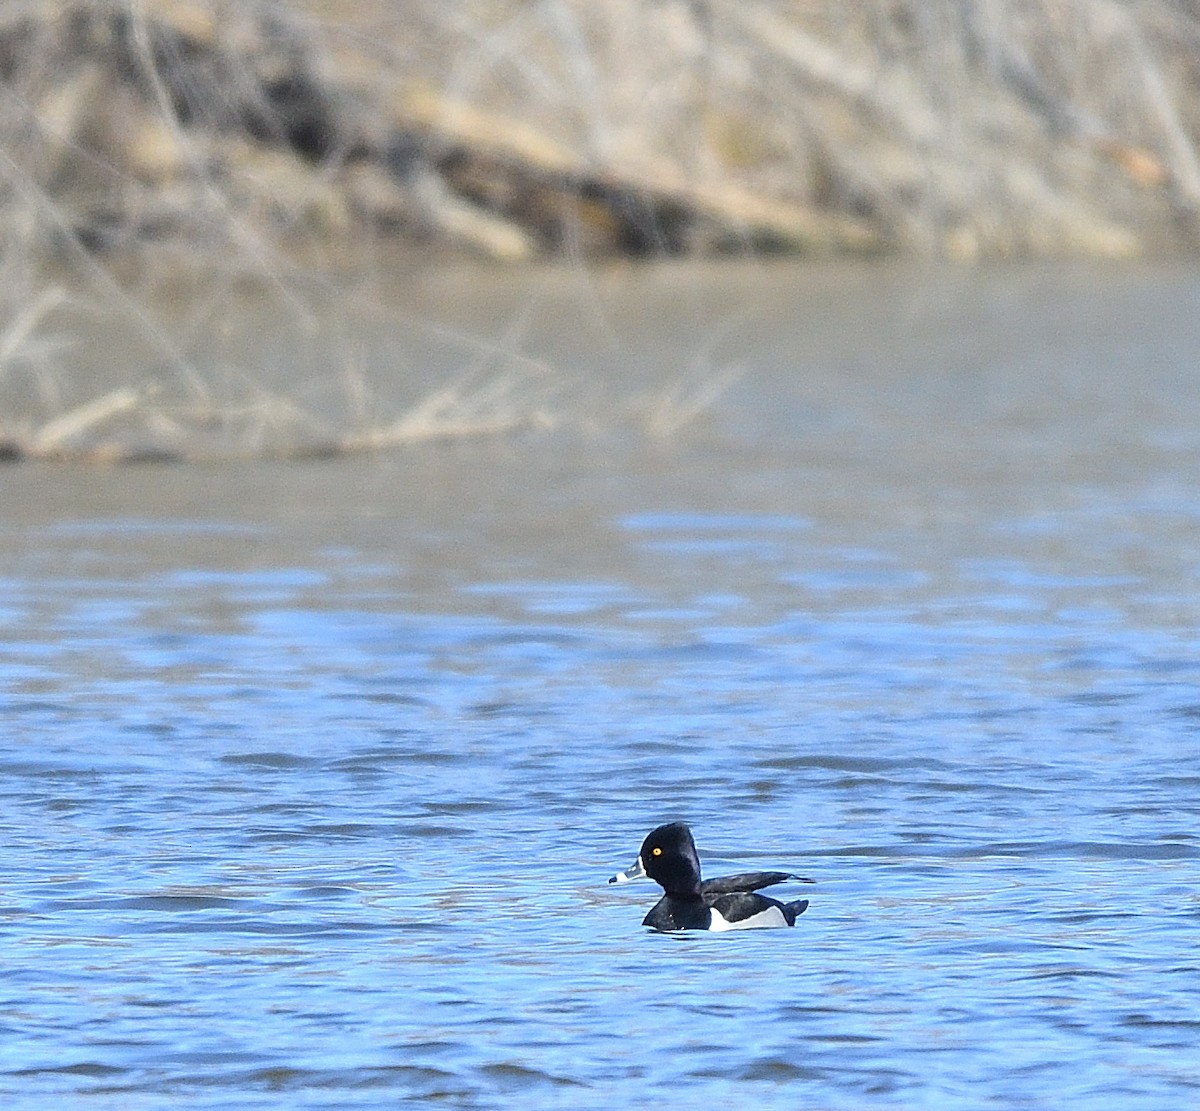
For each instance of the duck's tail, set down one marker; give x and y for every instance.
(792, 911)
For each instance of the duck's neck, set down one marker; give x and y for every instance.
(680, 879)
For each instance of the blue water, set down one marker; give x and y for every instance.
(312, 775)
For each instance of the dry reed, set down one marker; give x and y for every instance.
(240, 136)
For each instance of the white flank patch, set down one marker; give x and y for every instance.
(764, 920)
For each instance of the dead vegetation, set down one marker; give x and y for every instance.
(230, 415)
(968, 128)
(140, 136)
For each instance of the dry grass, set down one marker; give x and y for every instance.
(957, 127)
(969, 128)
(144, 423)
(216, 410)
(258, 141)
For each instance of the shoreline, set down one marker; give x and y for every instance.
(207, 151)
(206, 126)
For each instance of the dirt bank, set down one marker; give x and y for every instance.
(636, 127)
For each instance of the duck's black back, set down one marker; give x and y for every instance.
(743, 881)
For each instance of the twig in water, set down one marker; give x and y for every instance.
(54, 434)
(456, 411)
(686, 399)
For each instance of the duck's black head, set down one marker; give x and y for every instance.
(668, 856)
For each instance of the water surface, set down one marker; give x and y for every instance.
(312, 774)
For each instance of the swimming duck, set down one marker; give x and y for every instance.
(668, 856)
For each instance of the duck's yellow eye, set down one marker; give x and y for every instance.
(656, 851)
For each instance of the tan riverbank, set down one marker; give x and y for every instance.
(512, 131)
(164, 160)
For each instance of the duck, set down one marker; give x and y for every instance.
(668, 856)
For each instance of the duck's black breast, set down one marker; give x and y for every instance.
(671, 913)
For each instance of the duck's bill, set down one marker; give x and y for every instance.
(636, 872)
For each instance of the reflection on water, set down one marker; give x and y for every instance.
(313, 775)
